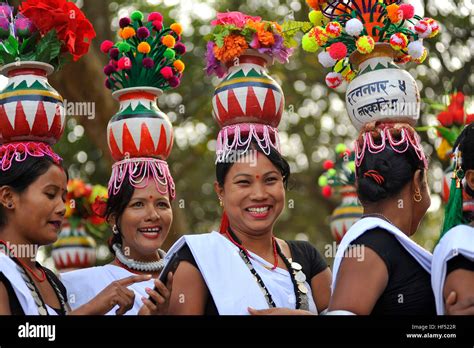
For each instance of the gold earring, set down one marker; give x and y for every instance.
(220, 202)
(417, 197)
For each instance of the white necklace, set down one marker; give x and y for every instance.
(154, 266)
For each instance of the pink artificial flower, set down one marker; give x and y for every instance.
(234, 18)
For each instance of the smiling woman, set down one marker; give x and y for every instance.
(245, 266)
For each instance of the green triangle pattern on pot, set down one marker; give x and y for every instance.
(240, 73)
(379, 66)
(23, 85)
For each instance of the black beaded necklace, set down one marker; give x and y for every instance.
(294, 269)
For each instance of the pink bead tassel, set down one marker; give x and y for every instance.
(19, 151)
(139, 171)
(238, 137)
(407, 139)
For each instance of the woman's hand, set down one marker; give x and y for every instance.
(459, 307)
(161, 295)
(278, 311)
(115, 294)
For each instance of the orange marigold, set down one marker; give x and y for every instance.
(394, 13)
(315, 4)
(234, 46)
(266, 38)
(169, 41)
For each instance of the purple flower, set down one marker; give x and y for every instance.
(114, 53)
(213, 65)
(148, 63)
(143, 33)
(24, 26)
(174, 82)
(255, 44)
(277, 50)
(124, 22)
(180, 48)
(109, 69)
(5, 10)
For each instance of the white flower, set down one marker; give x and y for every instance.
(326, 60)
(334, 79)
(415, 49)
(354, 27)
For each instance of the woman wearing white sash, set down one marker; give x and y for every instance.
(32, 207)
(378, 269)
(452, 274)
(244, 268)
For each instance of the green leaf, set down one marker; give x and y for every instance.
(11, 45)
(448, 134)
(48, 48)
(291, 28)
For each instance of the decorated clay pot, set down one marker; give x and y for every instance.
(140, 128)
(346, 214)
(248, 94)
(30, 109)
(381, 91)
(74, 249)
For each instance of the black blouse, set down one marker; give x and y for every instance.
(408, 290)
(302, 252)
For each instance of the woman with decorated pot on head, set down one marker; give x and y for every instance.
(244, 268)
(452, 271)
(32, 179)
(378, 269)
(143, 65)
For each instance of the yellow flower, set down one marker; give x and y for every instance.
(144, 47)
(169, 41)
(179, 65)
(127, 33)
(443, 150)
(177, 28)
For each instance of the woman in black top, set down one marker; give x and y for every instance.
(253, 196)
(392, 186)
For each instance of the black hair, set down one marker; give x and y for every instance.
(397, 170)
(22, 174)
(465, 142)
(116, 205)
(223, 167)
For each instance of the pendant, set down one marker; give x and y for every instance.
(296, 266)
(303, 288)
(300, 277)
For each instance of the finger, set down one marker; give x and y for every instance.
(150, 305)
(126, 293)
(159, 299)
(254, 311)
(124, 305)
(162, 289)
(451, 298)
(134, 279)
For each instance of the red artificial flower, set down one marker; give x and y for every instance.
(99, 207)
(458, 116)
(458, 100)
(469, 118)
(328, 164)
(445, 118)
(71, 25)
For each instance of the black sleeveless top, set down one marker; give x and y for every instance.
(15, 306)
(302, 252)
(408, 290)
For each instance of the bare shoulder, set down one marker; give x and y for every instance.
(4, 300)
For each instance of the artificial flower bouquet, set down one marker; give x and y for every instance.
(149, 54)
(342, 27)
(87, 203)
(234, 32)
(49, 31)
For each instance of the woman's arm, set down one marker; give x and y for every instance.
(321, 289)
(461, 282)
(360, 282)
(190, 293)
(4, 303)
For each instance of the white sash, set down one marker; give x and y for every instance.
(360, 227)
(85, 284)
(457, 241)
(230, 282)
(10, 270)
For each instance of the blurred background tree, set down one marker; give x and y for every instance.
(315, 119)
